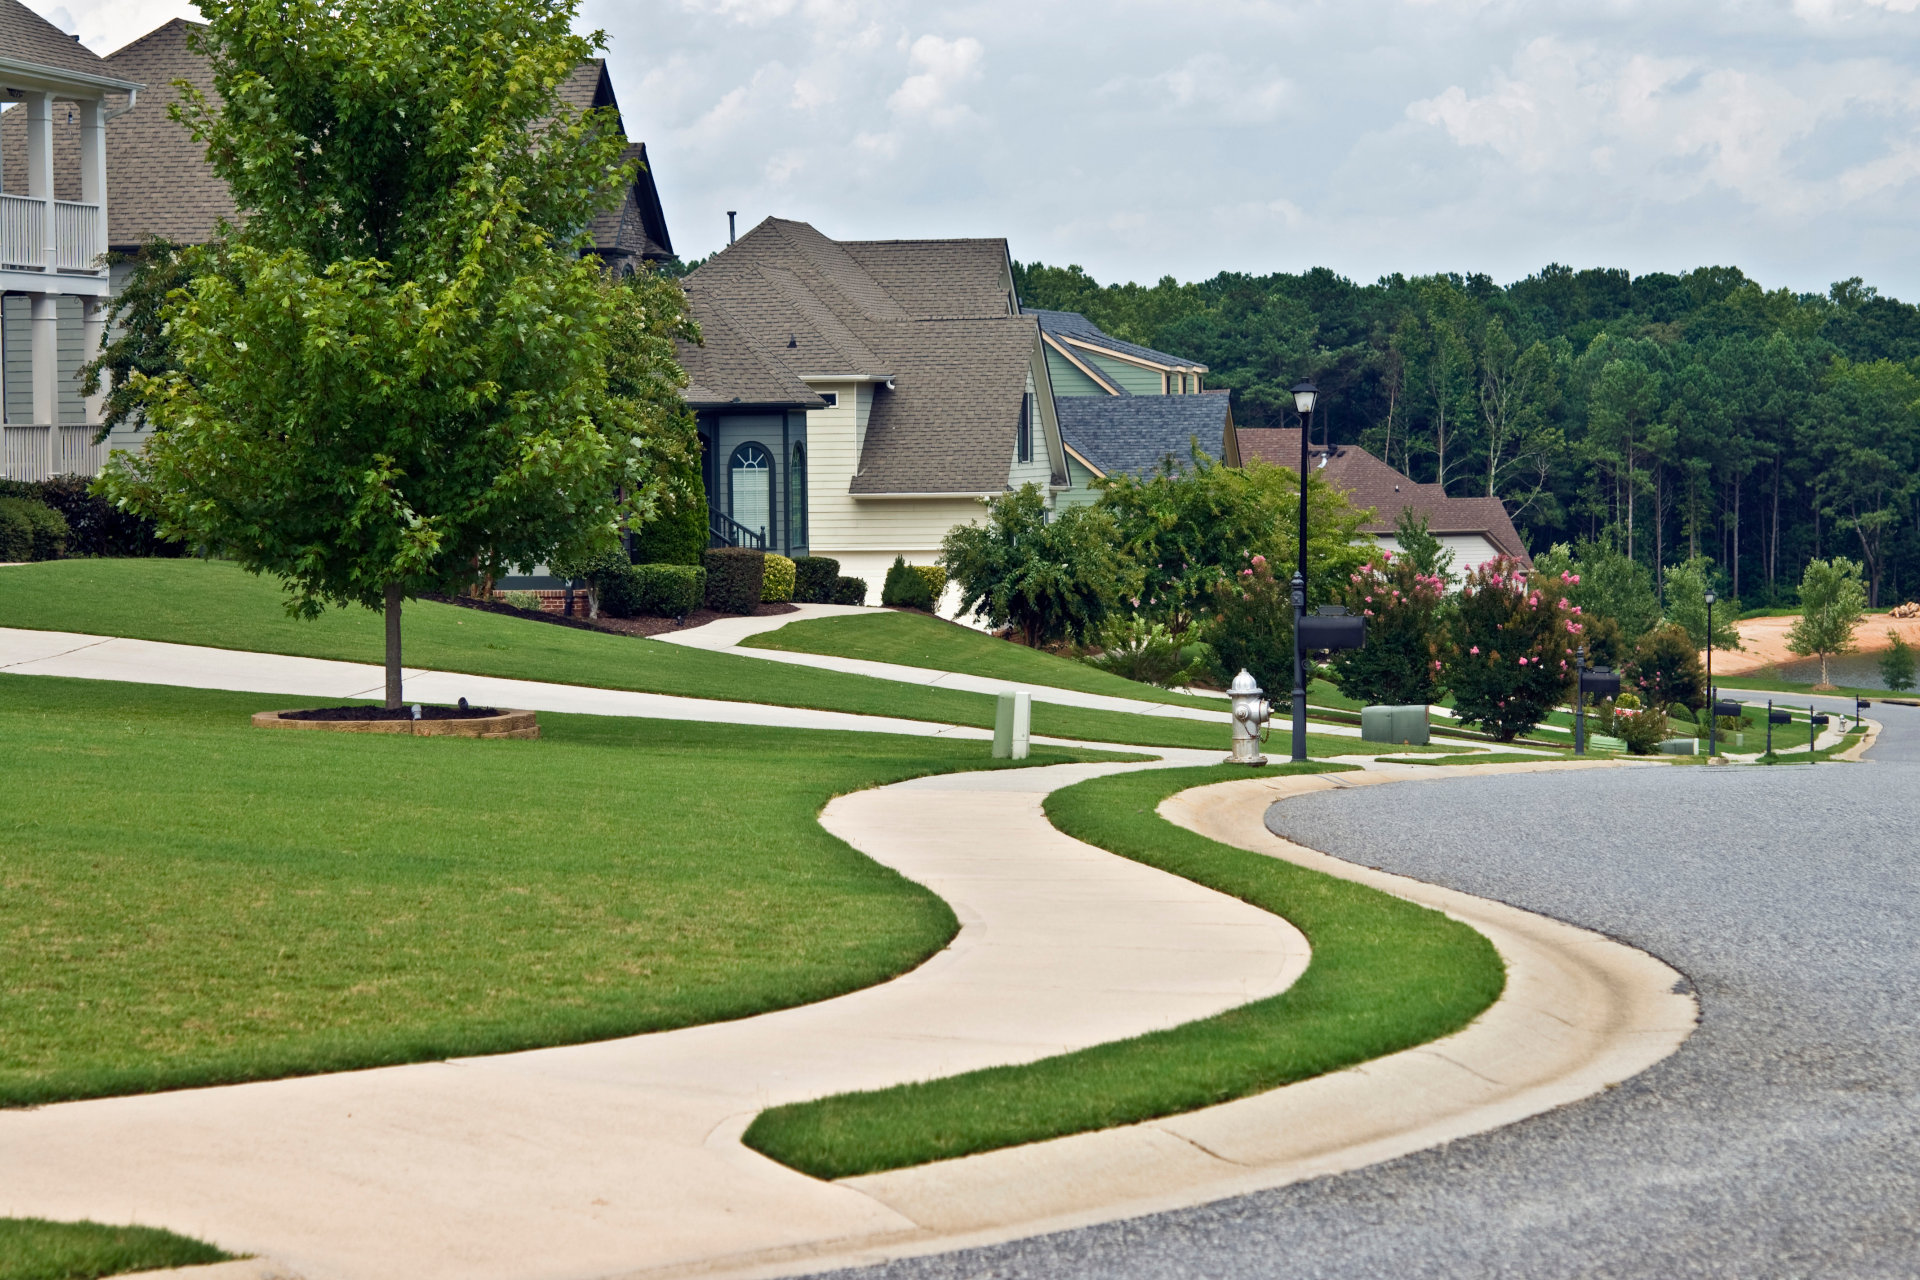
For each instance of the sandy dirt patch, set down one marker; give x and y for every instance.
(1764, 642)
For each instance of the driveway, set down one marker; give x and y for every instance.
(1783, 1139)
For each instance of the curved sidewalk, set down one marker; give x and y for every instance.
(599, 1159)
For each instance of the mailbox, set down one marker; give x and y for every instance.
(1731, 710)
(1330, 630)
(1861, 704)
(1780, 716)
(1600, 682)
(1820, 722)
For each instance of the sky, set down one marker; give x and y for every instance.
(1139, 138)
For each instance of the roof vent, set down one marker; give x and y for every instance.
(792, 342)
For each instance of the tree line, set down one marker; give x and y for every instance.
(1669, 418)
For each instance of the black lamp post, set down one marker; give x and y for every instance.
(1713, 721)
(1304, 397)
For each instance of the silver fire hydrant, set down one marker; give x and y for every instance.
(1250, 716)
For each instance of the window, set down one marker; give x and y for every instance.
(832, 398)
(1023, 438)
(750, 487)
(797, 497)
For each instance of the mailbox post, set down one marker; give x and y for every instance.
(1774, 717)
(1328, 627)
(1601, 682)
(1716, 709)
(1815, 723)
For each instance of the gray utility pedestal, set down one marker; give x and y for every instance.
(1680, 747)
(1402, 726)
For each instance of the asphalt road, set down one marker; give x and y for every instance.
(1783, 1139)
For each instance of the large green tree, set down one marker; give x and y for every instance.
(1052, 576)
(399, 382)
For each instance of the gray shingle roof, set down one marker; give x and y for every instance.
(1132, 435)
(934, 316)
(728, 369)
(25, 36)
(1071, 324)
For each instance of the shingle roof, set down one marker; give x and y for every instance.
(25, 36)
(1370, 482)
(1132, 435)
(1071, 324)
(727, 369)
(158, 179)
(933, 316)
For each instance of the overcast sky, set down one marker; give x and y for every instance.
(1141, 138)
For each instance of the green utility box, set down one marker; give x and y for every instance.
(1680, 747)
(1401, 726)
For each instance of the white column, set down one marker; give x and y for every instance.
(40, 174)
(46, 369)
(93, 336)
(93, 169)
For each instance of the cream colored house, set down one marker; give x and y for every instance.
(858, 399)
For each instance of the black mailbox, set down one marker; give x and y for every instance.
(1601, 682)
(1730, 709)
(1326, 630)
(1779, 716)
(1861, 704)
(1820, 722)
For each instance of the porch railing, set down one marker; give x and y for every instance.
(37, 452)
(23, 235)
(724, 531)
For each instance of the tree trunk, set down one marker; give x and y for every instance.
(1659, 534)
(1773, 546)
(393, 644)
(1735, 558)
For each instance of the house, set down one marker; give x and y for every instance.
(857, 399)
(1475, 530)
(54, 217)
(1124, 408)
(164, 188)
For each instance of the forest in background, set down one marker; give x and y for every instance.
(1663, 416)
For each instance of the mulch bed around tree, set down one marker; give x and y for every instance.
(392, 713)
(619, 626)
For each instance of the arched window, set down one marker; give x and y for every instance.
(797, 497)
(750, 487)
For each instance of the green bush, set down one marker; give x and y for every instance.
(777, 586)
(849, 591)
(1641, 728)
(669, 590)
(814, 578)
(1510, 649)
(735, 576)
(936, 576)
(31, 530)
(1142, 650)
(526, 600)
(1896, 664)
(1052, 575)
(1251, 626)
(905, 588)
(1406, 624)
(677, 535)
(95, 527)
(1666, 667)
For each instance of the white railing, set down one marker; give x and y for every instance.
(76, 236)
(23, 234)
(25, 454)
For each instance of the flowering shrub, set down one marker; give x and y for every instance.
(1642, 728)
(1400, 663)
(1512, 649)
(1252, 626)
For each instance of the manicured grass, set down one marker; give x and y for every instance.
(1787, 753)
(1386, 974)
(1762, 681)
(36, 1249)
(215, 604)
(188, 900)
(922, 640)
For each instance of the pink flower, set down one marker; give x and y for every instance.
(1523, 662)
(1259, 560)
(1576, 578)
(1475, 649)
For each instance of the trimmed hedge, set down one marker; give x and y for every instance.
(905, 588)
(95, 527)
(31, 530)
(849, 591)
(669, 590)
(678, 536)
(735, 576)
(814, 578)
(778, 585)
(936, 576)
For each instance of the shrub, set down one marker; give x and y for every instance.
(849, 591)
(677, 535)
(814, 578)
(527, 600)
(669, 590)
(1138, 649)
(95, 526)
(609, 578)
(735, 576)
(905, 589)
(1666, 667)
(777, 586)
(1052, 577)
(1642, 728)
(1252, 626)
(1511, 649)
(31, 530)
(936, 577)
(1896, 664)
(1400, 663)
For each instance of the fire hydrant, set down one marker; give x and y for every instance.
(1250, 716)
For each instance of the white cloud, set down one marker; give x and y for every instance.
(941, 68)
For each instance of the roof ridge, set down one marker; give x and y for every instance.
(838, 267)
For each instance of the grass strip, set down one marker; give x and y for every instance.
(1490, 757)
(1386, 974)
(187, 900)
(215, 604)
(38, 1249)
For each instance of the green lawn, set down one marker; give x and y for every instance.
(215, 604)
(922, 640)
(1385, 975)
(36, 1249)
(187, 900)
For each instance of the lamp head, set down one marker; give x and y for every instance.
(1710, 599)
(1303, 397)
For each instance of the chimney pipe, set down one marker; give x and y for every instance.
(730, 214)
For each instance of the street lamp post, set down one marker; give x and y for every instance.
(1304, 396)
(1713, 720)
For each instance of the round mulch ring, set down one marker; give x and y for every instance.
(456, 722)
